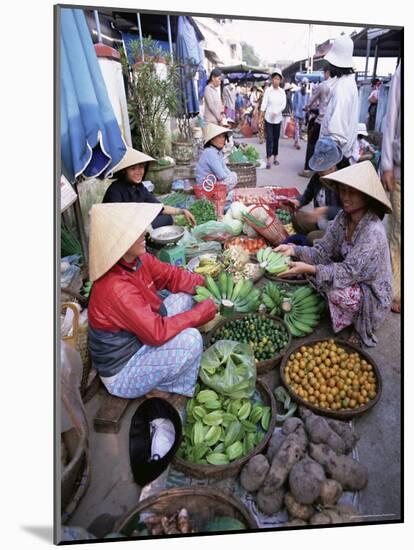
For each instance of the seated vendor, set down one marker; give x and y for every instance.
(351, 263)
(138, 342)
(326, 202)
(211, 161)
(128, 187)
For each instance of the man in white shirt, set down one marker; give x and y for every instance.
(391, 179)
(340, 121)
(274, 101)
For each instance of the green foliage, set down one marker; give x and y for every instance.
(249, 55)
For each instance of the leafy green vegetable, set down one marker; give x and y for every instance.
(69, 244)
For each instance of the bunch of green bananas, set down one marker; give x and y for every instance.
(302, 311)
(273, 262)
(272, 298)
(242, 295)
(220, 429)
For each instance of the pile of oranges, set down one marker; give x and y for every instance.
(327, 376)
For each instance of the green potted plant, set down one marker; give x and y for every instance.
(182, 142)
(152, 100)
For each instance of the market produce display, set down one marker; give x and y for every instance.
(251, 244)
(202, 210)
(272, 262)
(265, 337)
(209, 265)
(272, 297)
(303, 309)
(220, 429)
(154, 524)
(284, 216)
(236, 261)
(240, 296)
(328, 376)
(305, 478)
(243, 154)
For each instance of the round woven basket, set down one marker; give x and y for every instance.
(269, 364)
(246, 174)
(341, 414)
(203, 504)
(208, 471)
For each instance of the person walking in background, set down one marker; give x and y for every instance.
(229, 100)
(213, 106)
(391, 179)
(373, 103)
(260, 119)
(340, 121)
(288, 110)
(319, 99)
(299, 101)
(239, 104)
(254, 97)
(273, 104)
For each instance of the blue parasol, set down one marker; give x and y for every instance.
(91, 140)
(189, 58)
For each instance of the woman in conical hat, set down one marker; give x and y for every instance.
(139, 343)
(211, 161)
(128, 187)
(351, 263)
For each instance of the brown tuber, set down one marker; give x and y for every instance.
(274, 444)
(295, 523)
(342, 513)
(352, 475)
(270, 500)
(295, 429)
(331, 492)
(286, 457)
(345, 432)
(319, 431)
(297, 510)
(254, 473)
(305, 480)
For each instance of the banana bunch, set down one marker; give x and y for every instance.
(209, 266)
(290, 229)
(273, 262)
(302, 311)
(272, 298)
(241, 295)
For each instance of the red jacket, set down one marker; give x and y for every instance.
(127, 300)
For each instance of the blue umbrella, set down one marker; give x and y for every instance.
(189, 59)
(91, 140)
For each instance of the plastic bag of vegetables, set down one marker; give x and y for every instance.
(218, 230)
(229, 368)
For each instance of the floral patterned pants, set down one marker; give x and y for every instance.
(172, 367)
(344, 306)
(394, 237)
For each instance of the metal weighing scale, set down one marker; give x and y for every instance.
(168, 236)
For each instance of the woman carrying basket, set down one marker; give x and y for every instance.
(138, 342)
(211, 161)
(351, 263)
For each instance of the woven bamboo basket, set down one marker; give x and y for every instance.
(203, 504)
(209, 471)
(269, 364)
(344, 414)
(246, 174)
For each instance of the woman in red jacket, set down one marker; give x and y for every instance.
(138, 342)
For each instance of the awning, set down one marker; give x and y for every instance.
(242, 68)
(387, 42)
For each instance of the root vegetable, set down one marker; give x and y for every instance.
(305, 480)
(346, 433)
(321, 518)
(297, 510)
(352, 475)
(286, 457)
(183, 522)
(270, 500)
(295, 430)
(291, 425)
(254, 473)
(349, 513)
(331, 492)
(319, 431)
(274, 444)
(342, 513)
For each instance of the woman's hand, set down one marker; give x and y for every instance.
(298, 268)
(189, 217)
(285, 249)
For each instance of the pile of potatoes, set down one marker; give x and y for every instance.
(305, 470)
(327, 376)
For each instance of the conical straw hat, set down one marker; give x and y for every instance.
(132, 157)
(213, 130)
(113, 230)
(363, 177)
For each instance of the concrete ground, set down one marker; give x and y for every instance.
(112, 491)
